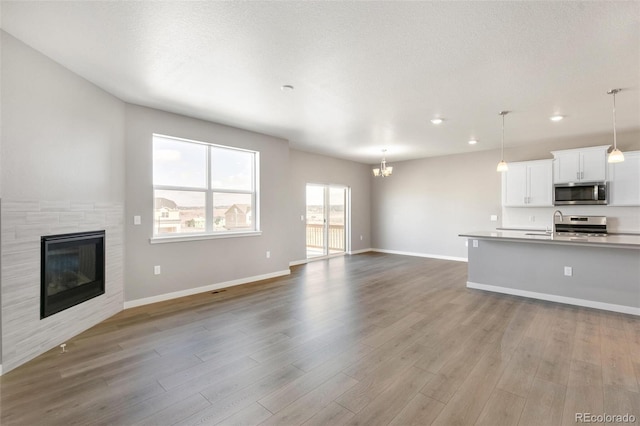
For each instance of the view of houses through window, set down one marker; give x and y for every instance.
(202, 188)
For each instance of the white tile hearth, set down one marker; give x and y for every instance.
(24, 334)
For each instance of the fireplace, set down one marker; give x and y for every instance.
(72, 270)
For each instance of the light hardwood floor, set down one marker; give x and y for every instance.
(370, 339)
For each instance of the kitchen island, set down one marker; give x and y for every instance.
(597, 272)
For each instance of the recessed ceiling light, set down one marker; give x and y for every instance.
(286, 88)
(472, 141)
(556, 117)
(436, 120)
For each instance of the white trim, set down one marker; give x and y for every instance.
(327, 257)
(0, 369)
(197, 237)
(189, 292)
(303, 261)
(554, 298)
(432, 256)
(360, 251)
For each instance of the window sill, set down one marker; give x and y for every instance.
(181, 238)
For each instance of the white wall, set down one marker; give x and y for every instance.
(62, 170)
(2, 35)
(58, 140)
(192, 264)
(423, 207)
(426, 203)
(312, 168)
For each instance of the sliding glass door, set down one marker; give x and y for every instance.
(327, 212)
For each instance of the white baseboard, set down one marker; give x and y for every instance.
(360, 251)
(182, 293)
(432, 256)
(559, 299)
(303, 261)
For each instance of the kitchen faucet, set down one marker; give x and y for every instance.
(553, 220)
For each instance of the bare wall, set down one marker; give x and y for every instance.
(58, 141)
(423, 207)
(191, 264)
(2, 34)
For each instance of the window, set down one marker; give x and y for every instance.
(203, 189)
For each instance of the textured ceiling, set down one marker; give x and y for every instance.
(367, 75)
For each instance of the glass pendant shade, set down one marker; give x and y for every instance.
(616, 156)
(502, 166)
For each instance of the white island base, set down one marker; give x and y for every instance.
(592, 275)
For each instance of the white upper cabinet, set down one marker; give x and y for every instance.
(624, 181)
(528, 184)
(540, 183)
(580, 165)
(514, 185)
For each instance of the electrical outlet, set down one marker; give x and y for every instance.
(475, 243)
(466, 243)
(137, 220)
(532, 218)
(268, 254)
(361, 238)
(568, 271)
(494, 218)
(301, 218)
(156, 270)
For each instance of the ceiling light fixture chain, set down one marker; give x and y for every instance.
(384, 170)
(616, 155)
(502, 165)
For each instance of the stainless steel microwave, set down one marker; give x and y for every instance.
(580, 193)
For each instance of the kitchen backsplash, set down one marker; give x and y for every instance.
(619, 219)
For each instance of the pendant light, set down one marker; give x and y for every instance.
(616, 155)
(384, 170)
(502, 165)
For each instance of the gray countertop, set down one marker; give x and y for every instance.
(611, 240)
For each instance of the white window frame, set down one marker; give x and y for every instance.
(209, 232)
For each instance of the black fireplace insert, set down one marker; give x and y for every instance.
(72, 270)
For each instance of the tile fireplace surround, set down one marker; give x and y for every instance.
(24, 334)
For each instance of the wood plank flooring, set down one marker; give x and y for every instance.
(370, 339)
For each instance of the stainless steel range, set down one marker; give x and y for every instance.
(582, 226)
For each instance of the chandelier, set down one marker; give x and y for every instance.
(383, 170)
